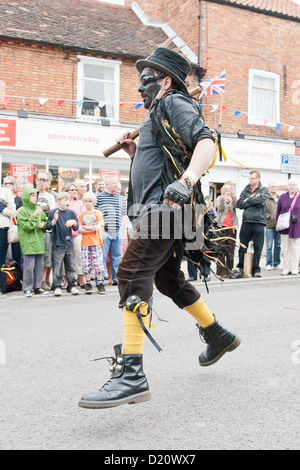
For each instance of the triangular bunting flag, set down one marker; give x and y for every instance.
(5, 100)
(221, 108)
(291, 128)
(138, 105)
(237, 113)
(79, 103)
(42, 101)
(278, 126)
(265, 121)
(121, 104)
(214, 108)
(60, 102)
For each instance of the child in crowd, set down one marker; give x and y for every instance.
(91, 225)
(32, 222)
(62, 220)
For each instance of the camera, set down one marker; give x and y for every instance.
(294, 218)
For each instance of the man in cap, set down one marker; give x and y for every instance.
(175, 148)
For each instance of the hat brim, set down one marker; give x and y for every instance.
(144, 63)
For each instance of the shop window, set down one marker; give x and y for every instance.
(99, 171)
(264, 98)
(23, 169)
(98, 90)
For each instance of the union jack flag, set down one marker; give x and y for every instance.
(216, 86)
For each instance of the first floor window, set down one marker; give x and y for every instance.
(98, 88)
(264, 97)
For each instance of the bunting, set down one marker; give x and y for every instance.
(5, 100)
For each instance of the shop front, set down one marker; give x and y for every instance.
(68, 150)
(71, 150)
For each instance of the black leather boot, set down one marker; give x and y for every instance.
(219, 341)
(128, 383)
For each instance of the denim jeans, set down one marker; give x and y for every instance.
(114, 242)
(63, 255)
(273, 238)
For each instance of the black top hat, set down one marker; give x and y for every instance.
(169, 63)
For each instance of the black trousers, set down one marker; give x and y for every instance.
(248, 232)
(154, 259)
(3, 253)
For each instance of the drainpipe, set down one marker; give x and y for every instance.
(200, 17)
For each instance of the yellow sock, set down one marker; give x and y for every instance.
(201, 313)
(134, 337)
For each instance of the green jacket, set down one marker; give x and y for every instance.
(31, 237)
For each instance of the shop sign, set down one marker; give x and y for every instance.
(110, 174)
(8, 132)
(23, 173)
(67, 176)
(290, 164)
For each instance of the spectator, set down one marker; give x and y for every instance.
(99, 186)
(91, 226)
(253, 202)
(290, 201)
(113, 207)
(81, 187)
(49, 189)
(210, 206)
(7, 210)
(272, 235)
(62, 221)
(47, 202)
(124, 225)
(32, 221)
(11, 183)
(77, 206)
(227, 219)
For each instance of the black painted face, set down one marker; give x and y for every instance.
(149, 86)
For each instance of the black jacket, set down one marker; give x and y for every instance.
(254, 204)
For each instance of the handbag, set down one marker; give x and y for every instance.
(12, 232)
(283, 221)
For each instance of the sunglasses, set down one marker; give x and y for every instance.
(8, 183)
(72, 190)
(42, 180)
(147, 80)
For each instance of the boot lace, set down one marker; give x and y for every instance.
(203, 335)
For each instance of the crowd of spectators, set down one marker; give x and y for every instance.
(70, 238)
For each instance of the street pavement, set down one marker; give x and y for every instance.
(248, 400)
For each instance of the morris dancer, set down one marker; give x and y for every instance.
(175, 148)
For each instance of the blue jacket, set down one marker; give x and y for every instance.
(62, 235)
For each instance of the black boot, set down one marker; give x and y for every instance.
(219, 341)
(128, 383)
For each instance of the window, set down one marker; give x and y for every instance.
(264, 98)
(98, 88)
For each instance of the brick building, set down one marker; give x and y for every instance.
(68, 67)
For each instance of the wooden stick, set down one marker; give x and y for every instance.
(133, 135)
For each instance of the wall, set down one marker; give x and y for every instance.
(236, 39)
(34, 71)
